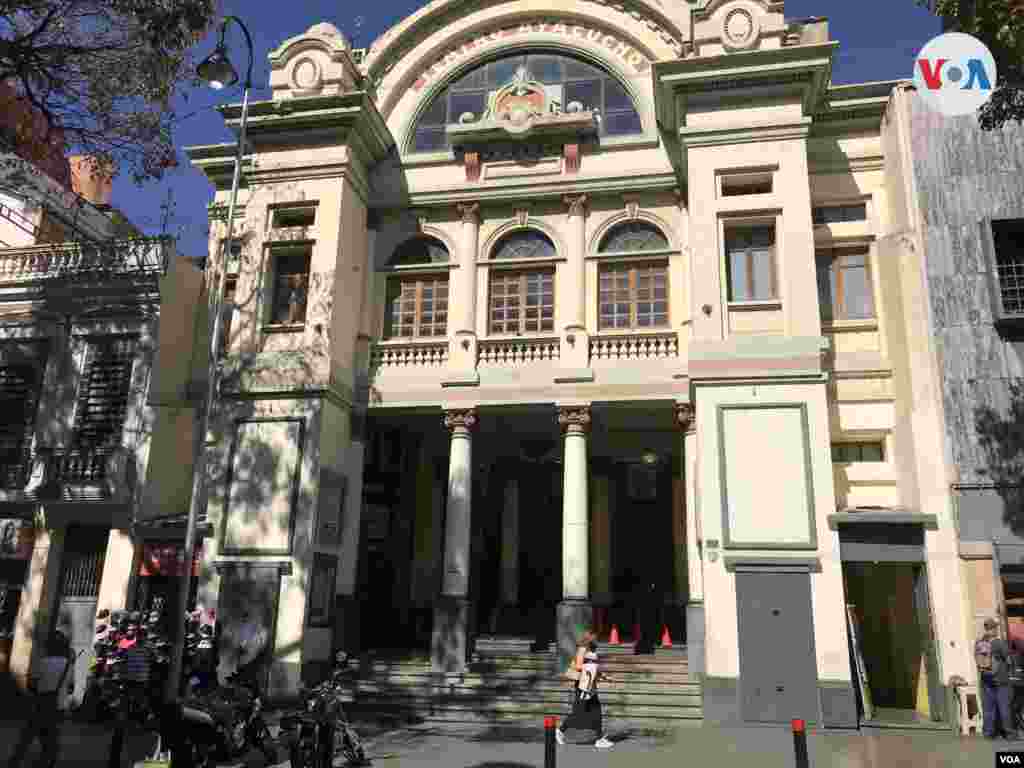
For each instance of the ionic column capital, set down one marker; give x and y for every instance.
(574, 419)
(469, 212)
(577, 204)
(686, 417)
(462, 420)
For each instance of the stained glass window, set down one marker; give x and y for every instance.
(634, 237)
(566, 80)
(524, 244)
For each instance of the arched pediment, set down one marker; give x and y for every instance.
(670, 25)
(420, 59)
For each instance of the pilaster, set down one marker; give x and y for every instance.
(575, 611)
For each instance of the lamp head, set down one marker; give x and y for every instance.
(216, 70)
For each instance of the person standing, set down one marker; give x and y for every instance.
(586, 712)
(251, 642)
(992, 656)
(52, 673)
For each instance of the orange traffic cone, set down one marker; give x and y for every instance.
(614, 639)
(666, 638)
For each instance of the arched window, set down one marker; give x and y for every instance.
(524, 244)
(420, 250)
(522, 301)
(633, 237)
(565, 78)
(417, 304)
(633, 294)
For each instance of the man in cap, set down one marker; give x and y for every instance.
(992, 656)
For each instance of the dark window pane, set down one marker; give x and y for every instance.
(621, 123)
(634, 236)
(437, 113)
(871, 452)
(579, 70)
(502, 71)
(824, 264)
(545, 69)
(615, 96)
(470, 101)
(524, 244)
(834, 214)
(586, 92)
(420, 250)
(430, 139)
(477, 78)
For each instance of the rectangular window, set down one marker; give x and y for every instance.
(417, 307)
(633, 296)
(846, 453)
(837, 214)
(750, 262)
(844, 285)
(294, 216)
(736, 184)
(230, 285)
(19, 399)
(522, 302)
(103, 393)
(291, 286)
(1008, 236)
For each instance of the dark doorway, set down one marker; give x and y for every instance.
(891, 602)
(778, 672)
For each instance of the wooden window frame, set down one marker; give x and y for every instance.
(276, 253)
(521, 275)
(773, 262)
(632, 267)
(837, 297)
(419, 279)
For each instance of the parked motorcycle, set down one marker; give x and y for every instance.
(222, 724)
(314, 734)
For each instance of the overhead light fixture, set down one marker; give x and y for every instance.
(649, 458)
(216, 70)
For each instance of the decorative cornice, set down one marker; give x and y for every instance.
(686, 417)
(469, 212)
(577, 204)
(460, 420)
(575, 418)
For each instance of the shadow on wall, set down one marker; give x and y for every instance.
(1001, 437)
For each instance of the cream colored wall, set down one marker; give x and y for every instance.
(788, 205)
(721, 641)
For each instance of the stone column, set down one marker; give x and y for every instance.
(38, 598)
(449, 646)
(575, 610)
(575, 352)
(462, 297)
(686, 418)
(510, 544)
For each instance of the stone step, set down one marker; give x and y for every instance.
(471, 697)
(475, 682)
(490, 663)
(512, 711)
(414, 676)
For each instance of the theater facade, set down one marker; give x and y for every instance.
(539, 308)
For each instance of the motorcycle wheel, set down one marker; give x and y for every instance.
(295, 757)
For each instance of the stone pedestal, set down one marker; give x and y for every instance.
(695, 638)
(571, 619)
(449, 639)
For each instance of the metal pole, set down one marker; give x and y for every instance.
(800, 743)
(199, 442)
(550, 753)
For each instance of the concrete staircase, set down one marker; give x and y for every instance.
(508, 684)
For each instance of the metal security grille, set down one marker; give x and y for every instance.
(1011, 284)
(103, 393)
(84, 551)
(19, 397)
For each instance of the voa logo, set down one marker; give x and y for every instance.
(955, 73)
(1005, 758)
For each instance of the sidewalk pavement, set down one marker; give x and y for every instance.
(85, 746)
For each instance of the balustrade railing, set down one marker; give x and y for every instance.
(637, 346)
(142, 256)
(409, 355)
(517, 351)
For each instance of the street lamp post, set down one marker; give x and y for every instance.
(217, 72)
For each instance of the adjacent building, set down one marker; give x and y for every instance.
(81, 295)
(540, 309)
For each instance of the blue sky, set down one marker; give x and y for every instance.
(878, 41)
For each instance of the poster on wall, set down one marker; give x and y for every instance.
(16, 539)
(853, 627)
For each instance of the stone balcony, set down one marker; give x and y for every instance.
(69, 474)
(147, 257)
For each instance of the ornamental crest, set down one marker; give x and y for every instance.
(518, 101)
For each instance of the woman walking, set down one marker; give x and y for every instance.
(572, 674)
(586, 711)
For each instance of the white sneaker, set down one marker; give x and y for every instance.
(559, 736)
(604, 743)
